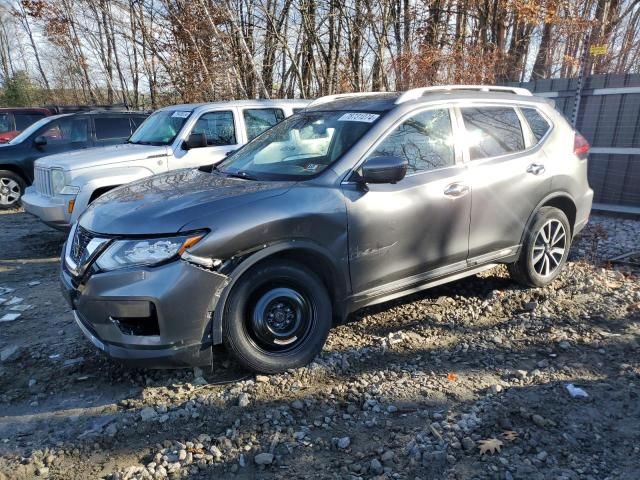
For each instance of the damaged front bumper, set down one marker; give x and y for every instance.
(155, 317)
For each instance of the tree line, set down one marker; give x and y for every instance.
(148, 53)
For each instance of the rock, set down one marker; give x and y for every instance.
(376, 467)
(243, 400)
(10, 353)
(564, 345)
(387, 456)
(297, 405)
(111, 430)
(530, 306)
(468, 443)
(148, 413)
(262, 379)
(495, 388)
(263, 458)
(42, 471)
(538, 420)
(521, 374)
(542, 456)
(344, 442)
(182, 455)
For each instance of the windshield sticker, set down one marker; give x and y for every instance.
(359, 117)
(179, 114)
(312, 167)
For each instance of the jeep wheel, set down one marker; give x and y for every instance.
(545, 249)
(277, 317)
(11, 189)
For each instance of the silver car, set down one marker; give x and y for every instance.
(356, 200)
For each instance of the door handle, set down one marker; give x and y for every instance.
(456, 190)
(536, 169)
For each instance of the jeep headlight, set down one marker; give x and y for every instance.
(57, 180)
(128, 253)
(59, 183)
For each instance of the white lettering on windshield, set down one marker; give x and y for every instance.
(358, 117)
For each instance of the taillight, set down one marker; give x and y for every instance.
(580, 146)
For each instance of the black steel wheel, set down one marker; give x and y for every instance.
(277, 317)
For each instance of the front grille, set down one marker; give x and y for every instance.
(81, 239)
(43, 181)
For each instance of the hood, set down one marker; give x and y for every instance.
(165, 203)
(94, 157)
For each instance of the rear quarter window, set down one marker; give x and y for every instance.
(537, 123)
(108, 128)
(492, 131)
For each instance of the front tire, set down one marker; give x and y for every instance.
(545, 249)
(11, 189)
(277, 317)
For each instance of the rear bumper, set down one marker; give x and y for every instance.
(150, 317)
(583, 206)
(51, 210)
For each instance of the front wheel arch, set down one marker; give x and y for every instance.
(312, 255)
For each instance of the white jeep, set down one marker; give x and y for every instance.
(180, 136)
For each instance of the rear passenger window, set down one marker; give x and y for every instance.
(538, 124)
(137, 121)
(218, 128)
(258, 120)
(425, 141)
(492, 131)
(109, 128)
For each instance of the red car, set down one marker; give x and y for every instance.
(14, 120)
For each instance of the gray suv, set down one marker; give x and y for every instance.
(355, 200)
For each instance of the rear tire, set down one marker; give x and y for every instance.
(11, 189)
(545, 249)
(277, 317)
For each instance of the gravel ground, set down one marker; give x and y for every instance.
(409, 389)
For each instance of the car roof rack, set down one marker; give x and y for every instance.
(416, 93)
(337, 96)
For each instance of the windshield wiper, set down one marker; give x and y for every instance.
(239, 174)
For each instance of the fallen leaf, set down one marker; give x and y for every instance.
(452, 377)
(510, 435)
(489, 445)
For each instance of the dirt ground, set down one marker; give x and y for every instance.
(406, 390)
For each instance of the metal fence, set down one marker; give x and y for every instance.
(609, 117)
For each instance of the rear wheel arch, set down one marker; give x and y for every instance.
(305, 253)
(559, 200)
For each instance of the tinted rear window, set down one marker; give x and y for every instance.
(23, 120)
(112, 127)
(538, 124)
(258, 120)
(492, 131)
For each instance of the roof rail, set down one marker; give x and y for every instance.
(416, 93)
(331, 98)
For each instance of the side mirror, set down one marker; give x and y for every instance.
(40, 141)
(195, 140)
(384, 169)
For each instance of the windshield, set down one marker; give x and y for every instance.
(299, 147)
(26, 133)
(161, 128)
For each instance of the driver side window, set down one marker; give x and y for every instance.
(424, 140)
(218, 127)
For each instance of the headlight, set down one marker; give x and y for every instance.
(57, 180)
(127, 253)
